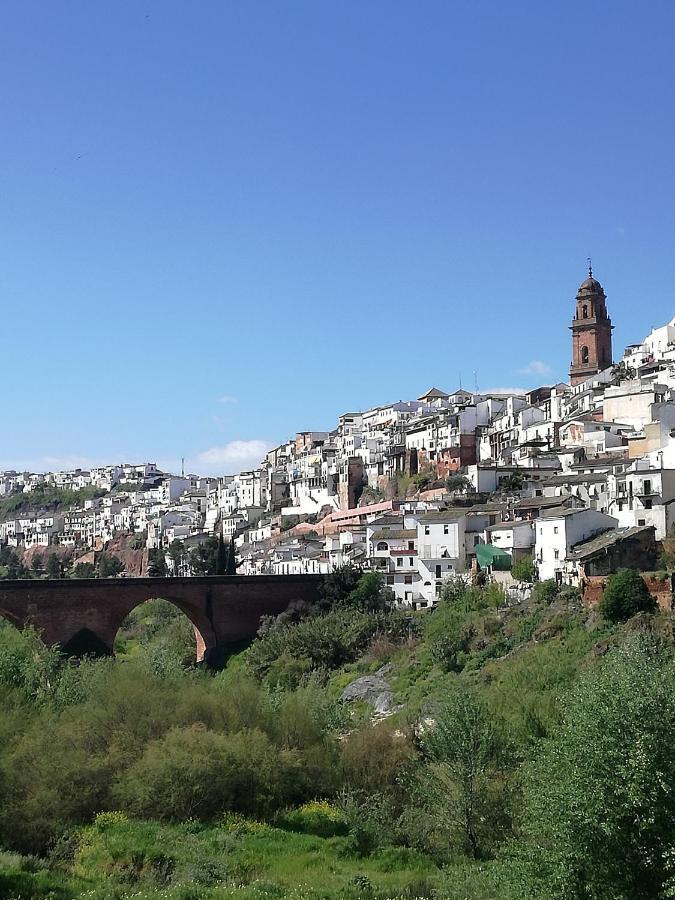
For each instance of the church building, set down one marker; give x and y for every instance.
(591, 332)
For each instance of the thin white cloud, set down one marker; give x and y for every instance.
(536, 367)
(227, 398)
(504, 390)
(236, 456)
(50, 464)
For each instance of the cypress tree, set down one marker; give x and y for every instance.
(222, 559)
(232, 559)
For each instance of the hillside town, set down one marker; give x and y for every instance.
(577, 477)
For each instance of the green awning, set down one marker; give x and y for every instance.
(489, 556)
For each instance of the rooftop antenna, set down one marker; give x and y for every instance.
(460, 381)
(590, 267)
(182, 467)
(475, 380)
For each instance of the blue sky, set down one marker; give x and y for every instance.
(224, 222)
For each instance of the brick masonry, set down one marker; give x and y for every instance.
(662, 591)
(84, 615)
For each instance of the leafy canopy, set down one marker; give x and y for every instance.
(625, 595)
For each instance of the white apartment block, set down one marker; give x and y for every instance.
(556, 534)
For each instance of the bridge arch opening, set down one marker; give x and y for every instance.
(159, 624)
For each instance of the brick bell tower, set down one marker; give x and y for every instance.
(591, 331)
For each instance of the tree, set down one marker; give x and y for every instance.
(54, 567)
(423, 479)
(7, 556)
(203, 557)
(464, 784)
(222, 557)
(370, 593)
(457, 482)
(338, 585)
(524, 569)
(109, 566)
(512, 482)
(231, 568)
(625, 595)
(599, 815)
(84, 570)
(37, 564)
(176, 553)
(156, 563)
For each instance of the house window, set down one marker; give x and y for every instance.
(426, 529)
(407, 579)
(647, 485)
(584, 354)
(641, 521)
(584, 311)
(648, 502)
(555, 529)
(411, 545)
(446, 529)
(383, 545)
(411, 561)
(556, 554)
(390, 579)
(438, 571)
(399, 561)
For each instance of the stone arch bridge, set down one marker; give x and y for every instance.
(84, 615)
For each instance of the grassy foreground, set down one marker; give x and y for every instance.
(117, 858)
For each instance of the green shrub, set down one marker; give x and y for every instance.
(625, 595)
(326, 642)
(316, 817)
(464, 787)
(524, 569)
(545, 591)
(374, 758)
(448, 636)
(26, 664)
(598, 811)
(196, 773)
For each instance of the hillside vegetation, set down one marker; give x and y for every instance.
(527, 753)
(45, 497)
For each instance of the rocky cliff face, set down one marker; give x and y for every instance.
(135, 560)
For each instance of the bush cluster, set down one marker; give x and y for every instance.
(519, 738)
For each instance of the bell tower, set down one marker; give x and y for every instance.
(591, 331)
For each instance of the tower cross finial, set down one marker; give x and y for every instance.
(590, 267)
